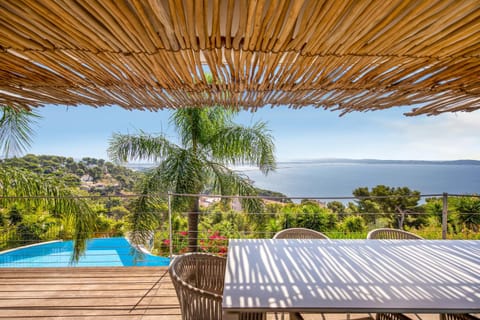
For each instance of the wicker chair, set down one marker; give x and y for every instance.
(392, 316)
(299, 233)
(457, 316)
(198, 279)
(387, 233)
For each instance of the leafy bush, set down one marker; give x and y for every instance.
(353, 224)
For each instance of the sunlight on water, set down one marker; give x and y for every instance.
(101, 252)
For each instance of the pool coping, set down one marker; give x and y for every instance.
(30, 245)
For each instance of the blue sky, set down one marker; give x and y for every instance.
(306, 133)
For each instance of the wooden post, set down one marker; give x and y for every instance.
(445, 216)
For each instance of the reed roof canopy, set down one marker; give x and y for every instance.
(346, 55)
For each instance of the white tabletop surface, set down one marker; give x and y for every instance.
(432, 276)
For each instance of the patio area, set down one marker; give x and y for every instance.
(100, 293)
(88, 293)
(342, 56)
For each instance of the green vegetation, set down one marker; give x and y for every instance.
(79, 210)
(209, 143)
(92, 175)
(28, 201)
(218, 222)
(51, 197)
(396, 201)
(15, 130)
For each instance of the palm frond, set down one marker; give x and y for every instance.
(210, 141)
(152, 181)
(84, 222)
(144, 219)
(229, 182)
(142, 146)
(189, 125)
(238, 145)
(16, 130)
(184, 171)
(196, 125)
(33, 191)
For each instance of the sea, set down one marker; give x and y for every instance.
(338, 178)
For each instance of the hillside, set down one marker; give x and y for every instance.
(92, 175)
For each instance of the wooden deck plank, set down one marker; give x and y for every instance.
(88, 293)
(138, 293)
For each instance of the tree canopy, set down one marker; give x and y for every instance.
(209, 144)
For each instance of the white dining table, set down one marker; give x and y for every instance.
(351, 276)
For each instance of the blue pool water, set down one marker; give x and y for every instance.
(100, 252)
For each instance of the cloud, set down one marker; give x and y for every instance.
(386, 135)
(444, 137)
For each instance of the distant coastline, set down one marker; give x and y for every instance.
(330, 178)
(146, 166)
(339, 177)
(378, 161)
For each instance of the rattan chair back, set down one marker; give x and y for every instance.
(388, 233)
(299, 233)
(198, 279)
(457, 316)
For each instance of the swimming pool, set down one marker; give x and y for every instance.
(100, 252)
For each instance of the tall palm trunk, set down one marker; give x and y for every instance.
(193, 218)
(193, 215)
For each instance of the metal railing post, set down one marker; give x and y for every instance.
(445, 216)
(170, 234)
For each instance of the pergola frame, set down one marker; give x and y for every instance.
(347, 55)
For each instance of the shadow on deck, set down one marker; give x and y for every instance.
(136, 293)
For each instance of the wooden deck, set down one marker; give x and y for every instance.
(88, 293)
(137, 293)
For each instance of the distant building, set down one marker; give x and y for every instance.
(86, 178)
(208, 201)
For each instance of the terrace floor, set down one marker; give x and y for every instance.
(141, 293)
(88, 293)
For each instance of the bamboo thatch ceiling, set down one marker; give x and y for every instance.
(152, 54)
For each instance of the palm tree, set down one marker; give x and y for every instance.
(209, 143)
(19, 185)
(16, 130)
(34, 191)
